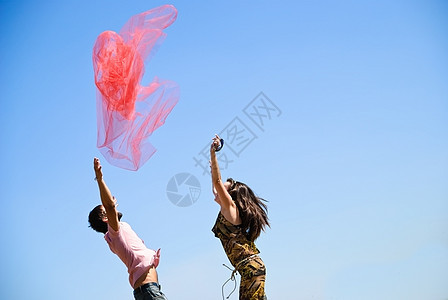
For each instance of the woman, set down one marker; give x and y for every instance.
(240, 221)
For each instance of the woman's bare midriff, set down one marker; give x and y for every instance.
(150, 276)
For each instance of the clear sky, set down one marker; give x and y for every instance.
(352, 157)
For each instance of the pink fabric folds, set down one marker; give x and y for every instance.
(127, 112)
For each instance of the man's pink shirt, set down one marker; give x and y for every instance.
(132, 251)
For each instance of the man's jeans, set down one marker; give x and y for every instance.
(149, 291)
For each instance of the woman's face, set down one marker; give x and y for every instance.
(215, 193)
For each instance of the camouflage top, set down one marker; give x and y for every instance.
(234, 240)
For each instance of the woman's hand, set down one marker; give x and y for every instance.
(215, 144)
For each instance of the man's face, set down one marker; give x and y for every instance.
(104, 215)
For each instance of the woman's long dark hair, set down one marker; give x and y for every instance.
(252, 209)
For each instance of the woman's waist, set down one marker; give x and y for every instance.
(239, 259)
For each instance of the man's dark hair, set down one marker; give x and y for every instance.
(96, 219)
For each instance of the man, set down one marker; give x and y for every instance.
(124, 242)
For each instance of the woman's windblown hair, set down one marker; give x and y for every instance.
(252, 209)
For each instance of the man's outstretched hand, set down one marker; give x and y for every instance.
(97, 167)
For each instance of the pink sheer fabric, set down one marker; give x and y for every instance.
(127, 112)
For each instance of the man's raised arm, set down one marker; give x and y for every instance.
(107, 199)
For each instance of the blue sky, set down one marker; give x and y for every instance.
(354, 162)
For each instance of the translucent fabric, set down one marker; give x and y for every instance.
(127, 112)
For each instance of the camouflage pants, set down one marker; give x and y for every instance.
(253, 275)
